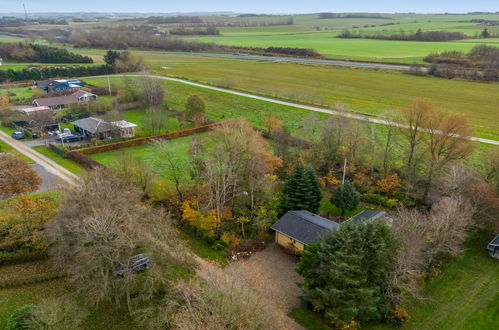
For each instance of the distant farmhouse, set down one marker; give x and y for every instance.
(60, 102)
(101, 129)
(296, 229)
(49, 86)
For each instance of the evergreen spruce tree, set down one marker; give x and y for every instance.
(346, 273)
(316, 194)
(296, 192)
(345, 198)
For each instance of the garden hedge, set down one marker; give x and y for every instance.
(146, 140)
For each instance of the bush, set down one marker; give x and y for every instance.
(18, 319)
(22, 256)
(397, 317)
(30, 280)
(379, 200)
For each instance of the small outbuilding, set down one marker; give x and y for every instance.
(295, 229)
(493, 247)
(367, 216)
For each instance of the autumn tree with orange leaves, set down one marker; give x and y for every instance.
(16, 176)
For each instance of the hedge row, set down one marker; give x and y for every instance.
(19, 258)
(31, 280)
(146, 140)
(84, 160)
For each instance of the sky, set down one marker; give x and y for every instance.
(251, 6)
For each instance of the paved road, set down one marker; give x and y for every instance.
(292, 59)
(299, 106)
(48, 164)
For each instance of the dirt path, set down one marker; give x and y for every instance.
(48, 164)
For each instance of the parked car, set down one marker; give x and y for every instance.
(136, 264)
(71, 138)
(18, 135)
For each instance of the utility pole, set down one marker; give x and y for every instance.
(109, 87)
(344, 171)
(25, 12)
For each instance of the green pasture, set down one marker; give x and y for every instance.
(5, 38)
(365, 91)
(327, 44)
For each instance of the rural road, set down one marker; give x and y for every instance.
(45, 162)
(294, 105)
(293, 60)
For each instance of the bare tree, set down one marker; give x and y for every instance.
(415, 116)
(447, 142)
(102, 224)
(174, 167)
(386, 143)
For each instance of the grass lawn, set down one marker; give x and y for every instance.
(203, 249)
(64, 162)
(308, 319)
(466, 295)
(139, 117)
(149, 153)
(14, 298)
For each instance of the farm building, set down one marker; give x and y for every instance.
(61, 85)
(295, 229)
(493, 247)
(59, 102)
(96, 127)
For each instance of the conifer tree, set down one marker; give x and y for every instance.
(345, 198)
(301, 192)
(316, 194)
(347, 272)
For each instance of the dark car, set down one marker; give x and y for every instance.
(71, 138)
(18, 135)
(136, 264)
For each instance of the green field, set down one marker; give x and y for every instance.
(308, 31)
(366, 91)
(329, 46)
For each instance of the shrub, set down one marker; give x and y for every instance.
(22, 256)
(30, 280)
(18, 319)
(397, 317)
(379, 200)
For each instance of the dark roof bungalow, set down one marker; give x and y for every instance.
(96, 127)
(295, 229)
(493, 247)
(59, 102)
(59, 85)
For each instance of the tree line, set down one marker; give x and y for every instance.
(24, 52)
(40, 73)
(419, 35)
(481, 64)
(210, 30)
(356, 15)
